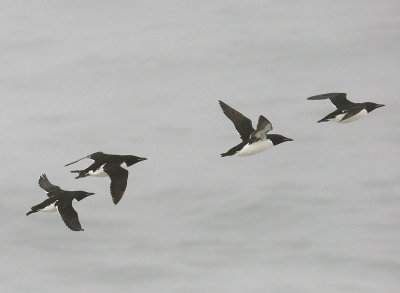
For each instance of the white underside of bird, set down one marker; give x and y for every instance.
(100, 171)
(359, 115)
(51, 208)
(255, 147)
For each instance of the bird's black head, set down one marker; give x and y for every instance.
(131, 160)
(372, 106)
(79, 195)
(277, 138)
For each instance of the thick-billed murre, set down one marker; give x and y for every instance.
(61, 200)
(113, 166)
(253, 141)
(346, 111)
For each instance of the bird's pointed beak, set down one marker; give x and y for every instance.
(90, 193)
(142, 159)
(288, 139)
(379, 105)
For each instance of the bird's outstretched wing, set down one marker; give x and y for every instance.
(43, 204)
(119, 179)
(241, 122)
(85, 157)
(338, 99)
(263, 127)
(45, 184)
(70, 216)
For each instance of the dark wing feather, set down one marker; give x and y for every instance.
(352, 111)
(45, 184)
(263, 127)
(348, 115)
(70, 216)
(338, 99)
(43, 204)
(331, 116)
(241, 122)
(119, 179)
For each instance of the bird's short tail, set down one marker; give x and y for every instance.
(231, 152)
(81, 173)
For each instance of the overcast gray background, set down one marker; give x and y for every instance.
(320, 214)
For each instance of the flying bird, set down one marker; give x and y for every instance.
(61, 200)
(253, 140)
(113, 166)
(346, 111)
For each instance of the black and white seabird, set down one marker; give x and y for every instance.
(346, 111)
(113, 166)
(60, 200)
(253, 141)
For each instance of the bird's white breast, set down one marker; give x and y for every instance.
(49, 209)
(99, 172)
(254, 148)
(359, 115)
(338, 117)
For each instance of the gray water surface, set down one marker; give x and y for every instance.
(320, 214)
